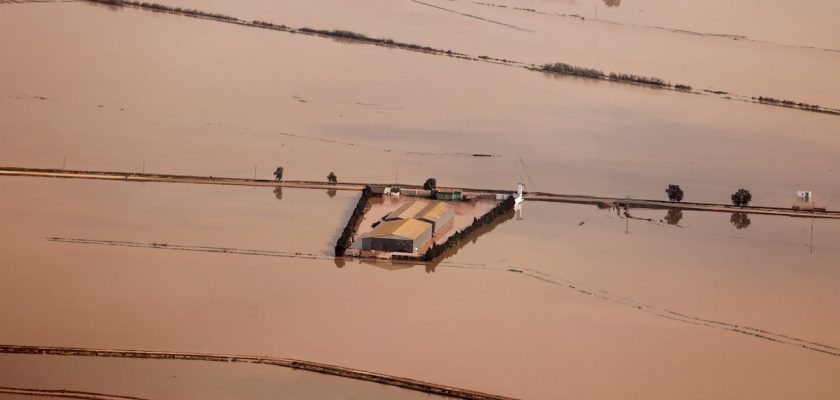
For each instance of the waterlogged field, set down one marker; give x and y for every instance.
(748, 48)
(163, 379)
(499, 316)
(554, 301)
(317, 105)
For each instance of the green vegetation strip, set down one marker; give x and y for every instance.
(352, 226)
(327, 369)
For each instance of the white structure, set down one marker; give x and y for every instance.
(518, 198)
(804, 200)
(805, 196)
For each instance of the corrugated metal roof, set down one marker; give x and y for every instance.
(405, 228)
(433, 211)
(406, 211)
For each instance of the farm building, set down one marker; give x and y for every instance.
(400, 235)
(406, 211)
(436, 213)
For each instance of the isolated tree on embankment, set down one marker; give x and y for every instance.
(331, 178)
(278, 173)
(430, 184)
(741, 198)
(675, 193)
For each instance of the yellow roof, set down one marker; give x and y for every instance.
(433, 211)
(407, 210)
(407, 228)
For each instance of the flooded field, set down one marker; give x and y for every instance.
(505, 332)
(166, 379)
(276, 99)
(553, 301)
(749, 48)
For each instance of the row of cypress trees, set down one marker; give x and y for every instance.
(456, 238)
(346, 237)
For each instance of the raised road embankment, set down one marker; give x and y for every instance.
(357, 186)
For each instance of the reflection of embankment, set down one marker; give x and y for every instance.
(343, 35)
(310, 366)
(64, 393)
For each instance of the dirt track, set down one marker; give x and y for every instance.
(532, 196)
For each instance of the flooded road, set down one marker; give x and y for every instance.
(277, 99)
(505, 332)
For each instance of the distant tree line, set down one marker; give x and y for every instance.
(163, 7)
(456, 238)
(358, 37)
(567, 69)
(346, 237)
(574, 70)
(638, 79)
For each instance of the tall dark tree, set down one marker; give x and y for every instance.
(332, 178)
(742, 197)
(674, 216)
(675, 193)
(740, 220)
(430, 184)
(278, 173)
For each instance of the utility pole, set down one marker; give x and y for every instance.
(812, 236)
(144, 166)
(627, 216)
(255, 171)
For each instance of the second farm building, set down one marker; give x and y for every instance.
(410, 228)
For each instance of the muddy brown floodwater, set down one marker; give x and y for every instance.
(371, 112)
(167, 379)
(558, 301)
(471, 322)
(629, 38)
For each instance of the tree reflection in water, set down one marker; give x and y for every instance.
(740, 220)
(674, 216)
(278, 193)
(612, 3)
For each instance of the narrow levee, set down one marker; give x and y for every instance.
(601, 201)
